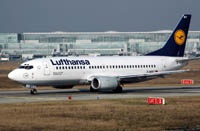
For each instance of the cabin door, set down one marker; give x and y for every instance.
(46, 68)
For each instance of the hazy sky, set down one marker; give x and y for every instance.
(95, 15)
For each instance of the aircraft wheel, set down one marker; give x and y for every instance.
(119, 89)
(33, 91)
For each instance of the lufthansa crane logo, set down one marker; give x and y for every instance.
(179, 37)
(25, 75)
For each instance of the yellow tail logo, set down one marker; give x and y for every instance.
(179, 37)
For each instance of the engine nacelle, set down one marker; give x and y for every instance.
(104, 83)
(63, 87)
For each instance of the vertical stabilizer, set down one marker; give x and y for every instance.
(175, 45)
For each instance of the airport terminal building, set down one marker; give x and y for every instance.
(28, 45)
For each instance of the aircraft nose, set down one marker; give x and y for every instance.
(12, 75)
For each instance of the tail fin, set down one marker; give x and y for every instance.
(175, 46)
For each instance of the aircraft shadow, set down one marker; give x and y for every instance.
(125, 91)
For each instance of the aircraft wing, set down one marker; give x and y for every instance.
(140, 77)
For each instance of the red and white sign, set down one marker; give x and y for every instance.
(69, 97)
(156, 100)
(187, 81)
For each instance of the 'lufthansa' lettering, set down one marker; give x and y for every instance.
(69, 62)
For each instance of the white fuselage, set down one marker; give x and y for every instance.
(69, 71)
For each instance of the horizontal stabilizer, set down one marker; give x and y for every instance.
(187, 59)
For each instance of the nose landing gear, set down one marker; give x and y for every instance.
(33, 90)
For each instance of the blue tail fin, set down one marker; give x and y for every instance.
(175, 46)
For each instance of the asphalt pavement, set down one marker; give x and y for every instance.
(13, 96)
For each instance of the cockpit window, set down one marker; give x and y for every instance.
(27, 67)
(21, 67)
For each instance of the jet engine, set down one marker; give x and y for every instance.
(104, 83)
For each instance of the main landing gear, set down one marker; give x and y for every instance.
(33, 90)
(119, 89)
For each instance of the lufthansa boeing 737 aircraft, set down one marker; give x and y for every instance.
(106, 73)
